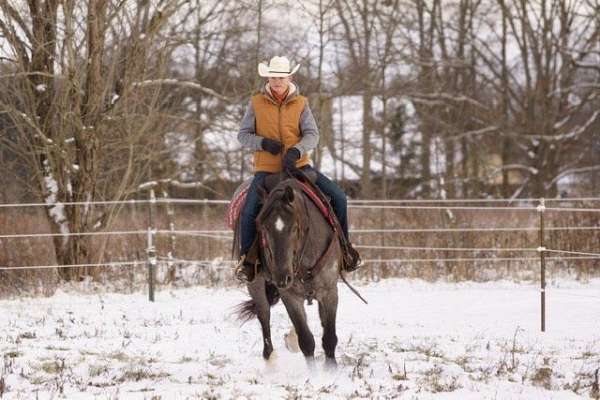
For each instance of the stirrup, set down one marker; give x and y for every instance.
(245, 272)
(352, 260)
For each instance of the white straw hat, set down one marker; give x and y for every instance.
(278, 67)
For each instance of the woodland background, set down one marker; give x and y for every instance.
(107, 99)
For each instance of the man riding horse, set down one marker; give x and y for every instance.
(280, 128)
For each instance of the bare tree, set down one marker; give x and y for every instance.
(357, 20)
(86, 125)
(548, 97)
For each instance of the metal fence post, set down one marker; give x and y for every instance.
(151, 249)
(171, 272)
(542, 250)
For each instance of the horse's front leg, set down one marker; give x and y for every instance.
(258, 292)
(327, 312)
(295, 308)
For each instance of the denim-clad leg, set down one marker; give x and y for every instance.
(339, 202)
(250, 212)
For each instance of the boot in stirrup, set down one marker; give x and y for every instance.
(351, 258)
(245, 271)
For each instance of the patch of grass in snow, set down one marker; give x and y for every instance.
(463, 362)
(27, 335)
(53, 367)
(435, 381)
(85, 352)
(543, 377)
(209, 394)
(13, 354)
(585, 381)
(97, 370)
(428, 349)
(119, 356)
(136, 373)
(586, 354)
(217, 360)
(57, 348)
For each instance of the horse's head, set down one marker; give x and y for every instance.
(280, 232)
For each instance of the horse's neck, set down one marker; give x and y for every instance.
(319, 229)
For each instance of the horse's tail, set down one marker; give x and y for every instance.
(247, 310)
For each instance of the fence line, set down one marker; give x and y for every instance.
(409, 248)
(357, 203)
(474, 259)
(570, 209)
(115, 202)
(63, 234)
(434, 230)
(582, 253)
(215, 262)
(478, 208)
(226, 233)
(495, 200)
(106, 264)
(534, 205)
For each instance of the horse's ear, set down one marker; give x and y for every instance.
(288, 195)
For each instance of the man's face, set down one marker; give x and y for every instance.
(279, 85)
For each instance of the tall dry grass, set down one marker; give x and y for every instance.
(39, 251)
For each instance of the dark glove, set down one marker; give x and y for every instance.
(272, 146)
(289, 161)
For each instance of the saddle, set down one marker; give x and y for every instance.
(239, 197)
(307, 181)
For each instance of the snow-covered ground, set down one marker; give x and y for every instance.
(416, 340)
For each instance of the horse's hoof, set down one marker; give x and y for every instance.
(330, 363)
(267, 353)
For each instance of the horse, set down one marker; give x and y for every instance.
(300, 258)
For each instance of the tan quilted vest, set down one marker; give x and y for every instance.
(281, 123)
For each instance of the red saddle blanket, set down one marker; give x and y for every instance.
(239, 198)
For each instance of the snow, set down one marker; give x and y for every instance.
(415, 339)
(57, 211)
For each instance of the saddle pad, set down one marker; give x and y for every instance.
(236, 204)
(239, 198)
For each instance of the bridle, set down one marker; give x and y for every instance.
(302, 230)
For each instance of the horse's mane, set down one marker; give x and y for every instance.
(276, 194)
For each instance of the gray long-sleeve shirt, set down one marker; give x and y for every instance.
(308, 129)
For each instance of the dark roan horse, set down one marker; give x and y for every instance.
(300, 259)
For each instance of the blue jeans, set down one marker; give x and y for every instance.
(252, 206)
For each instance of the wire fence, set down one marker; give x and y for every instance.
(372, 239)
(532, 205)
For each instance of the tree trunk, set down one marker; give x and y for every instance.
(365, 179)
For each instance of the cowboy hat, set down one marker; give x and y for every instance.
(278, 67)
